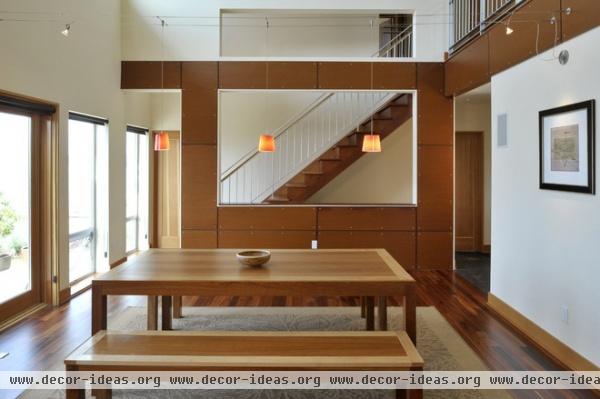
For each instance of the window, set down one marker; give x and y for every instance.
(137, 189)
(88, 199)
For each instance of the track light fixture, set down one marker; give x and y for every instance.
(65, 32)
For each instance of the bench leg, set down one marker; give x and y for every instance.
(363, 308)
(370, 312)
(152, 313)
(382, 312)
(103, 393)
(177, 307)
(75, 393)
(166, 313)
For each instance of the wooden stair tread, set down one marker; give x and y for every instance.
(296, 185)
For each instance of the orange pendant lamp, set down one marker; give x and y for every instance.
(266, 143)
(161, 141)
(371, 143)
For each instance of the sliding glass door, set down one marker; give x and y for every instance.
(137, 189)
(15, 205)
(86, 237)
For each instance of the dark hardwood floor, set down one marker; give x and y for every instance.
(44, 339)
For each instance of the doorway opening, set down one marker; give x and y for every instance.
(473, 186)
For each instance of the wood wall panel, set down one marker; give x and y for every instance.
(435, 250)
(265, 239)
(344, 75)
(469, 68)
(436, 215)
(304, 75)
(508, 50)
(362, 218)
(394, 75)
(585, 15)
(435, 173)
(242, 75)
(147, 75)
(198, 239)
(267, 218)
(199, 113)
(199, 75)
(435, 110)
(199, 187)
(401, 245)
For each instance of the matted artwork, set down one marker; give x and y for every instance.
(567, 150)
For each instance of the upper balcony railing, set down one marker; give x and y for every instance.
(469, 17)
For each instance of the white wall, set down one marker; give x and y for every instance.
(298, 35)
(244, 116)
(545, 252)
(166, 111)
(196, 35)
(475, 116)
(378, 178)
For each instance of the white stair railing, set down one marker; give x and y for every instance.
(399, 46)
(300, 142)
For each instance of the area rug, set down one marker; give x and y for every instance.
(440, 346)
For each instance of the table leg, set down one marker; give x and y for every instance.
(98, 310)
(363, 307)
(410, 315)
(177, 307)
(75, 393)
(401, 394)
(166, 313)
(382, 312)
(152, 312)
(370, 312)
(103, 394)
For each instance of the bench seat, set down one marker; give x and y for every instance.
(222, 351)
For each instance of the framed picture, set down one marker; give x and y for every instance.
(567, 150)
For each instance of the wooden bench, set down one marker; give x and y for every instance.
(222, 351)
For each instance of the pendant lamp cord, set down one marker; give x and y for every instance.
(162, 73)
(372, 94)
(266, 73)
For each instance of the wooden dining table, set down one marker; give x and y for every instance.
(372, 274)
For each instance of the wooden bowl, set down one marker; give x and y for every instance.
(254, 258)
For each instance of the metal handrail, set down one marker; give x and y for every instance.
(400, 37)
(254, 152)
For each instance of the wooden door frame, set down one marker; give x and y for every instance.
(44, 217)
(153, 239)
(478, 231)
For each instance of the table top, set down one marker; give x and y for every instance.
(286, 265)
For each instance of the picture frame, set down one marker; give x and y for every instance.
(567, 148)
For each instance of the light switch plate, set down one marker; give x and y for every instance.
(314, 244)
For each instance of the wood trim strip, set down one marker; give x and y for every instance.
(553, 347)
(64, 296)
(21, 316)
(118, 262)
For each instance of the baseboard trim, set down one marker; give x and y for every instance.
(17, 318)
(118, 262)
(64, 295)
(559, 351)
(486, 249)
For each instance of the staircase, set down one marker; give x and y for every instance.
(343, 154)
(313, 147)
